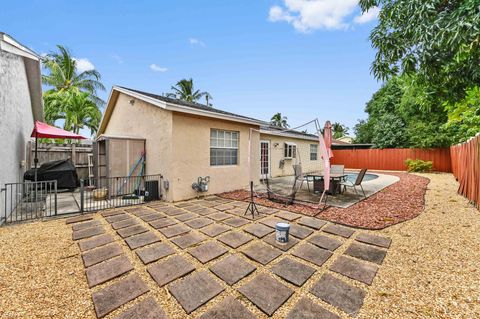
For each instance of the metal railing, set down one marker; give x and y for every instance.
(110, 192)
(28, 200)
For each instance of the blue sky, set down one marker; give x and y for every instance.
(305, 59)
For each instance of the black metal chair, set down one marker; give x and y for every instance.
(358, 182)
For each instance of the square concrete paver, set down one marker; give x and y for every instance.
(224, 207)
(124, 223)
(214, 230)
(261, 253)
(174, 230)
(307, 309)
(355, 269)
(154, 252)
(195, 290)
(91, 223)
(107, 270)
(142, 240)
(273, 221)
(112, 213)
(339, 230)
(78, 219)
(236, 221)
(258, 230)
(117, 218)
(189, 239)
(379, 241)
(232, 269)
(186, 216)
(114, 296)
(311, 222)
(339, 294)
(271, 239)
(219, 216)
(300, 231)
(199, 222)
(325, 242)
(293, 271)
(206, 211)
(151, 217)
(173, 211)
(145, 309)
(366, 252)
(235, 239)
(168, 270)
(100, 254)
(95, 242)
(266, 293)
(208, 251)
(87, 232)
(229, 308)
(164, 222)
(288, 215)
(132, 230)
(312, 253)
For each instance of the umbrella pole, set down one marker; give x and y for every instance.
(35, 160)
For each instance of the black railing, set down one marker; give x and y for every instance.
(28, 200)
(119, 192)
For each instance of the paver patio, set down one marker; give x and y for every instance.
(206, 249)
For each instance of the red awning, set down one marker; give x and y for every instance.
(46, 131)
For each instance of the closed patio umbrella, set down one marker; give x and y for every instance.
(325, 143)
(43, 130)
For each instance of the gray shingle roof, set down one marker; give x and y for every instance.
(193, 105)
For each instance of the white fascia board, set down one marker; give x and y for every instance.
(286, 134)
(8, 44)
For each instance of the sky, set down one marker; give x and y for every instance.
(304, 58)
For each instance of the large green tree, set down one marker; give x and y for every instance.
(185, 90)
(62, 75)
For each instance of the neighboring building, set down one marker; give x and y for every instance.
(184, 141)
(20, 106)
(346, 139)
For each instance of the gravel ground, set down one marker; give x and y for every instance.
(432, 269)
(41, 274)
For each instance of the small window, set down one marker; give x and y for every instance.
(290, 150)
(313, 152)
(223, 147)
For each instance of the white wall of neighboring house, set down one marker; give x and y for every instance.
(20, 105)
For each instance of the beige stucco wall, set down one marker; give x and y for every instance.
(150, 122)
(277, 154)
(191, 156)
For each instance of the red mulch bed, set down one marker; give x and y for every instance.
(394, 204)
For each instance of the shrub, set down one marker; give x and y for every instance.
(418, 165)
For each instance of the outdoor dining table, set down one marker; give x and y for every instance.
(318, 182)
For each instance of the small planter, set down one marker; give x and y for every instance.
(282, 231)
(99, 194)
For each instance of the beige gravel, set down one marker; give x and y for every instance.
(432, 269)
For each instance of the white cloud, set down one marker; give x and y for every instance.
(157, 68)
(368, 16)
(118, 59)
(309, 15)
(83, 64)
(194, 41)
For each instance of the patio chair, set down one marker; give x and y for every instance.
(358, 182)
(337, 169)
(299, 176)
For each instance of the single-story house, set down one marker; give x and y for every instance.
(184, 141)
(20, 105)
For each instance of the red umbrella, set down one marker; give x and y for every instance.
(47, 131)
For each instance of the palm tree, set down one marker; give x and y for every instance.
(75, 108)
(339, 130)
(279, 120)
(184, 90)
(64, 76)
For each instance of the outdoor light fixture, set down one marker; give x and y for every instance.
(131, 101)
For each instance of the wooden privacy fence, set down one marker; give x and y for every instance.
(392, 159)
(48, 152)
(466, 168)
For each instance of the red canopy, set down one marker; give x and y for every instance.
(44, 130)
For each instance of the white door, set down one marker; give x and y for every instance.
(264, 159)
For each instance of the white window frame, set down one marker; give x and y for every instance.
(315, 146)
(290, 150)
(219, 140)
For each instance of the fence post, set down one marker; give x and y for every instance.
(55, 183)
(82, 194)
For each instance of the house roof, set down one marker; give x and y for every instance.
(278, 131)
(31, 62)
